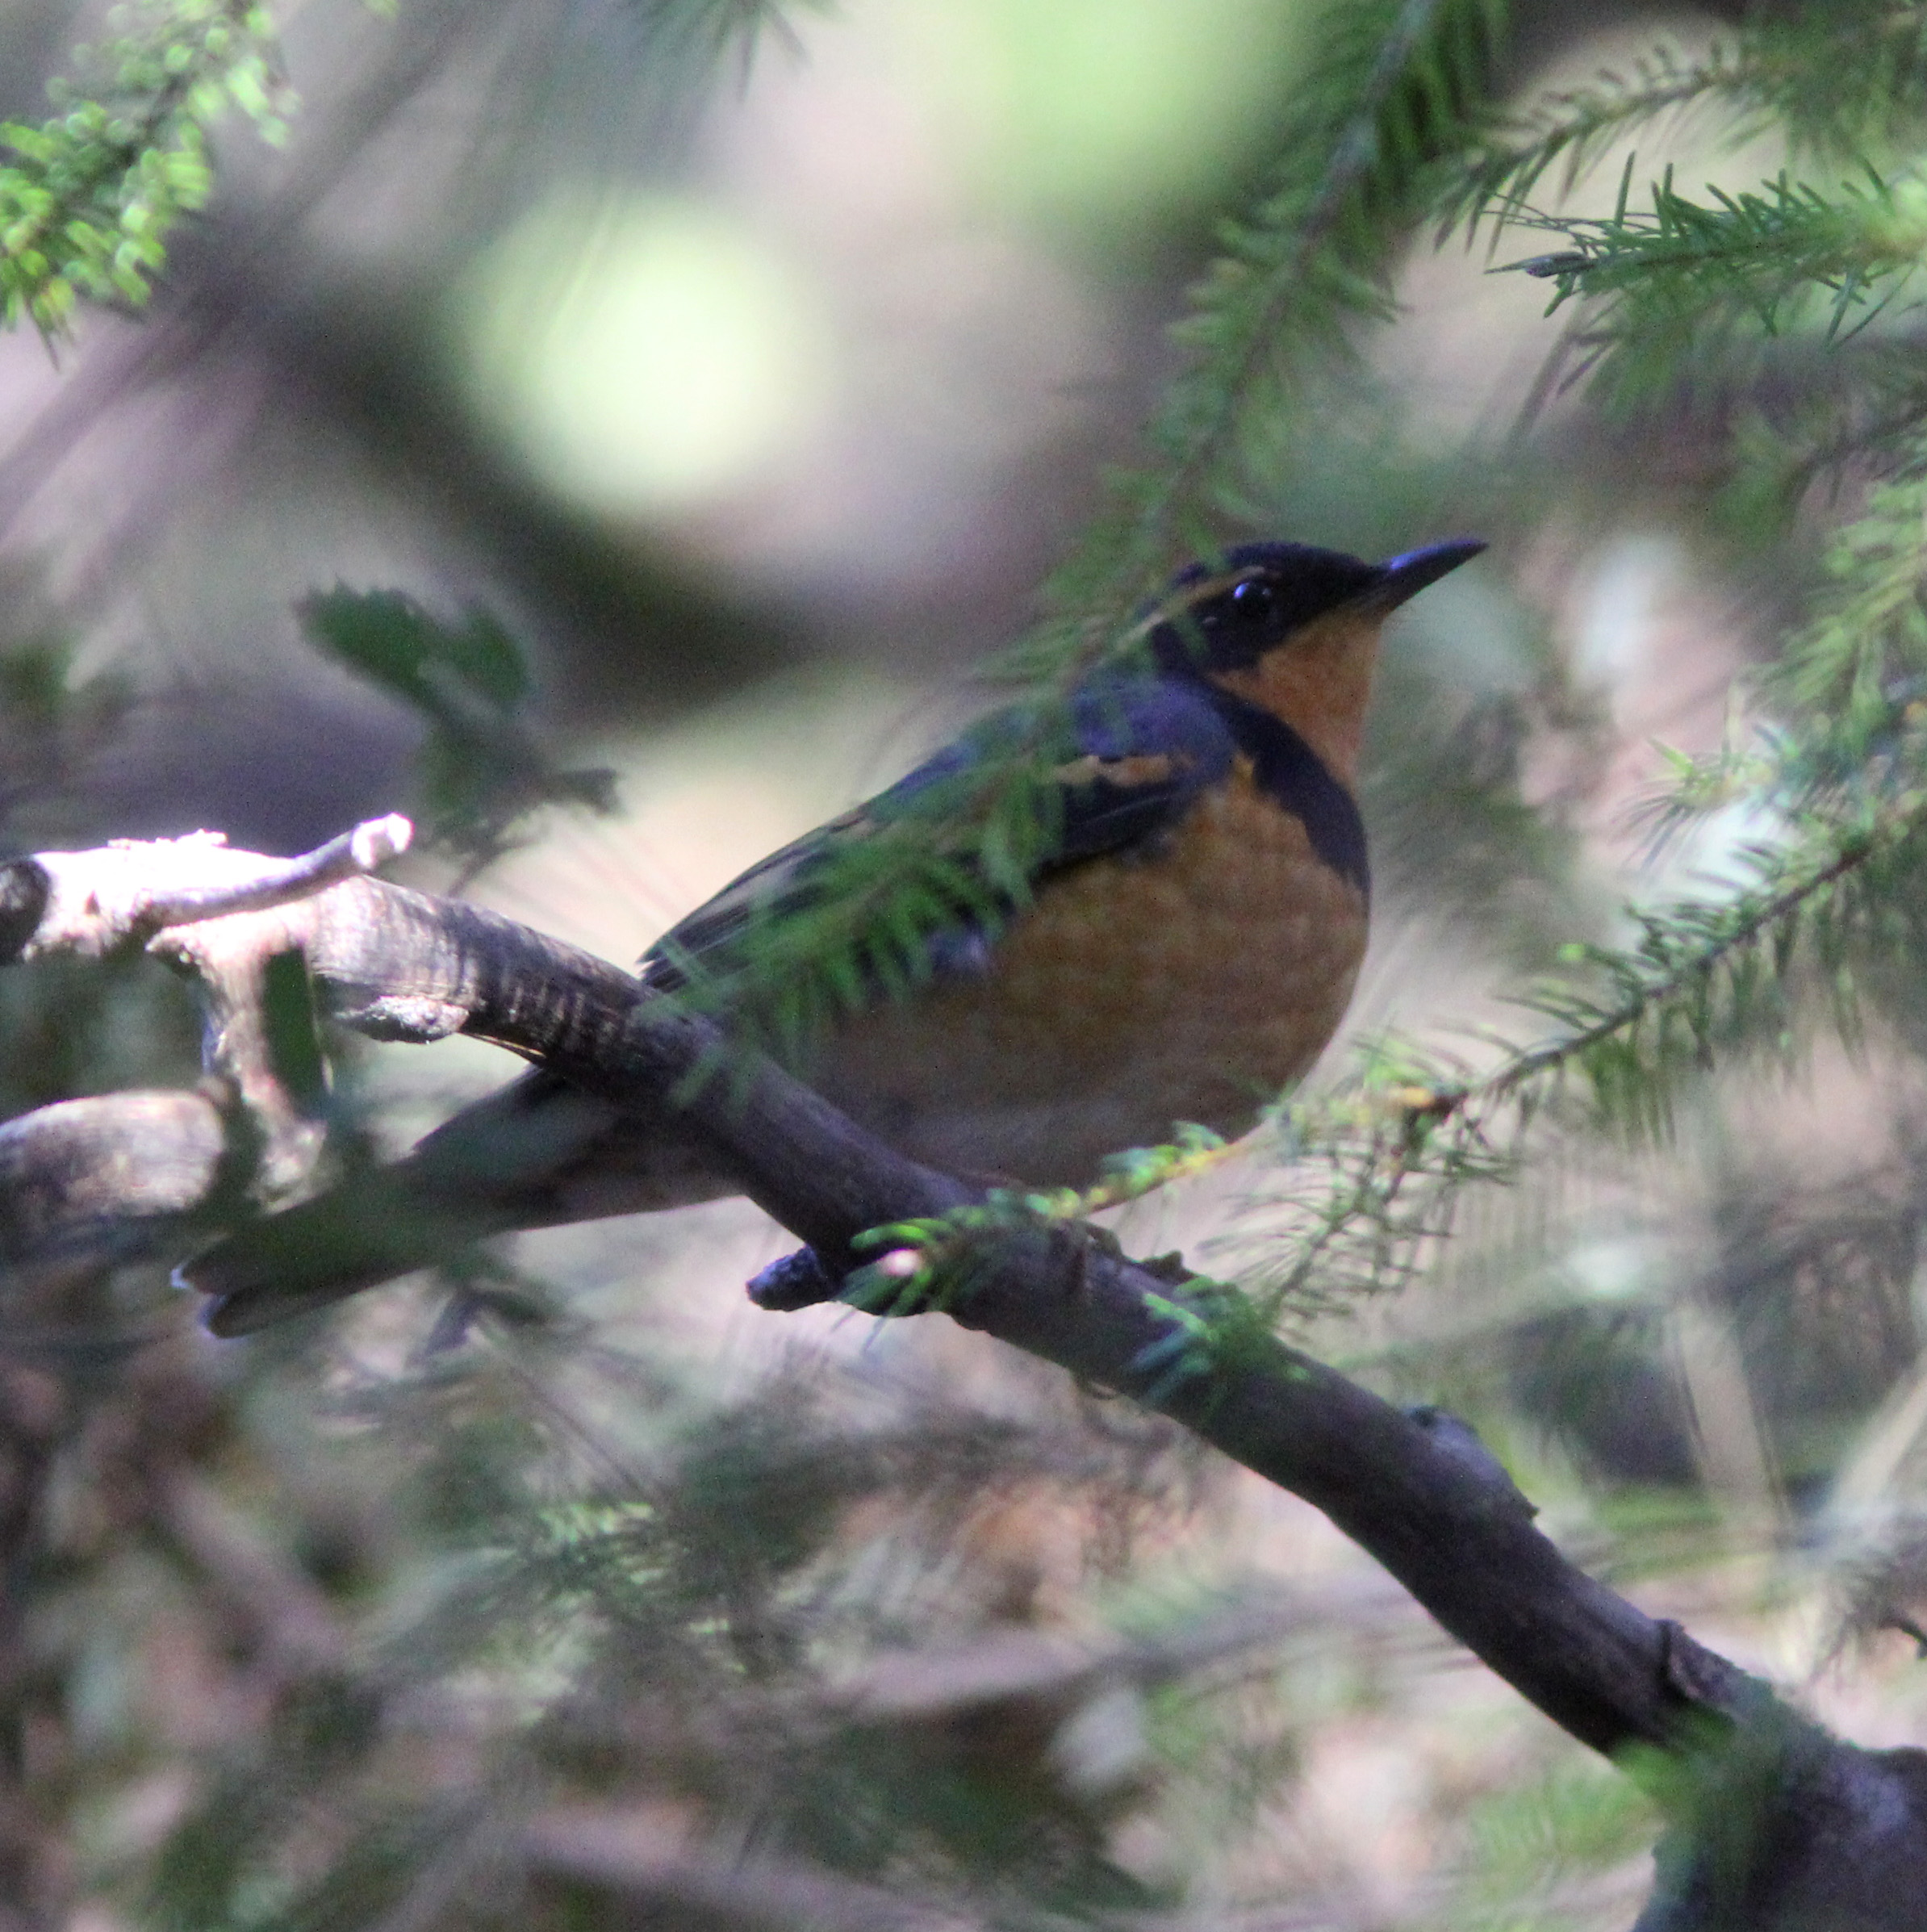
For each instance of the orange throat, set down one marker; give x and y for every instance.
(1319, 681)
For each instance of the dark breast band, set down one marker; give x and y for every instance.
(1286, 769)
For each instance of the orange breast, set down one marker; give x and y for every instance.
(1190, 982)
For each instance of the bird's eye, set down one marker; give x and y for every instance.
(1251, 602)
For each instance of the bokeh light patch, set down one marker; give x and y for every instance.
(647, 356)
(1106, 114)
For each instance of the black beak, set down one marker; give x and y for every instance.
(1404, 577)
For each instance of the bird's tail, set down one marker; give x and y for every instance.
(537, 1154)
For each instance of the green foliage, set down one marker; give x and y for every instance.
(1865, 639)
(1848, 81)
(1398, 93)
(482, 770)
(1371, 1177)
(1530, 1849)
(90, 196)
(1375, 1174)
(1368, 1176)
(1687, 301)
(933, 1262)
(929, 1262)
(1563, 135)
(1825, 757)
(593, 1546)
(1717, 277)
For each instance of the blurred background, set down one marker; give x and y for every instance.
(755, 399)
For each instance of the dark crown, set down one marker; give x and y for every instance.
(1251, 600)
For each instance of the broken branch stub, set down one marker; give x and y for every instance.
(116, 1178)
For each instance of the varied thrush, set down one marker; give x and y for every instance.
(1184, 948)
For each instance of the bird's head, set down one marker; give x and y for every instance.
(1294, 630)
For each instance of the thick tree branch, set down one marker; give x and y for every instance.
(1839, 1832)
(1449, 1525)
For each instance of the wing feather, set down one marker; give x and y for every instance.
(1141, 750)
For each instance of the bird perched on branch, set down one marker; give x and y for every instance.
(1181, 944)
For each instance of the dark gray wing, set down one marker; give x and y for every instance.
(1131, 757)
